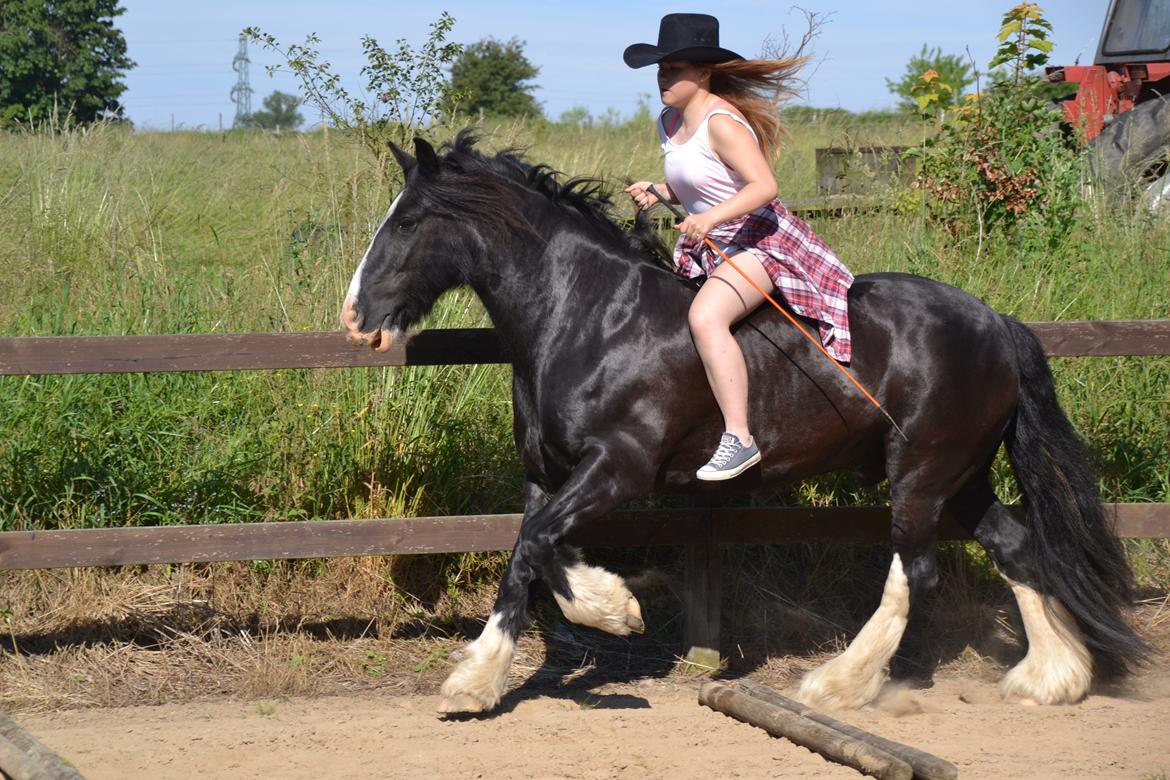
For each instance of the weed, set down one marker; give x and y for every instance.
(436, 657)
(408, 86)
(375, 664)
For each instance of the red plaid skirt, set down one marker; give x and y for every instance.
(813, 282)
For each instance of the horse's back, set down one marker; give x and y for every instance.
(907, 323)
(938, 359)
(942, 361)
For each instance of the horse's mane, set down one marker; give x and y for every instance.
(584, 198)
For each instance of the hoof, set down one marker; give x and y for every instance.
(1033, 684)
(477, 683)
(460, 704)
(1058, 668)
(600, 599)
(854, 678)
(634, 617)
(834, 695)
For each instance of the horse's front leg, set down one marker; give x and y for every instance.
(592, 490)
(478, 681)
(592, 596)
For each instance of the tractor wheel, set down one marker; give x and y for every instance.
(1132, 154)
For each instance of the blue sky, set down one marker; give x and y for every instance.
(184, 50)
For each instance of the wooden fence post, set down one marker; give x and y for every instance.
(702, 580)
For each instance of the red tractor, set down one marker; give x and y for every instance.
(1122, 104)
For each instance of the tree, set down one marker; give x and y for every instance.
(411, 94)
(491, 75)
(950, 69)
(280, 113)
(61, 58)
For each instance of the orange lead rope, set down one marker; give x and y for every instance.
(817, 342)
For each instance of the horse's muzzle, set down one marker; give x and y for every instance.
(379, 340)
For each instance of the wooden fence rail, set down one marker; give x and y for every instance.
(327, 349)
(477, 533)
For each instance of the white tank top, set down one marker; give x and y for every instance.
(693, 173)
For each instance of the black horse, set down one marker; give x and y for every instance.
(611, 403)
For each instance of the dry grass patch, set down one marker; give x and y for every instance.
(260, 631)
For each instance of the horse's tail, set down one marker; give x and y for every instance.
(1078, 558)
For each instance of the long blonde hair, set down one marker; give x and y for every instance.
(757, 88)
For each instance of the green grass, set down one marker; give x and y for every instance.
(110, 232)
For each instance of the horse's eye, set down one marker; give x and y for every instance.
(406, 225)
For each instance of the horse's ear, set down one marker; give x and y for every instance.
(405, 161)
(428, 163)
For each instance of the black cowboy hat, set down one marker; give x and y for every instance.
(693, 37)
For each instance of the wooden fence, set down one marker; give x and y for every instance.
(702, 531)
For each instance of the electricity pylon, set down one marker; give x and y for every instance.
(242, 91)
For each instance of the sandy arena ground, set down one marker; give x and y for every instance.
(646, 729)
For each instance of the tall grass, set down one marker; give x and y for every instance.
(112, 232)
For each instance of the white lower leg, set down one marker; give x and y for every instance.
(478, 681)
(601, 600)
(1058, 668)
(854, 678)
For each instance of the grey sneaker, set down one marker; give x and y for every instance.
(731, 459)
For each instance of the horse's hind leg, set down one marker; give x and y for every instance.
(1058, 667)
(854, 678)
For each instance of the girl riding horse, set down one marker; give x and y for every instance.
(718, 132)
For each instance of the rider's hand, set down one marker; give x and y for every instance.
(696, 226)
(641, 197)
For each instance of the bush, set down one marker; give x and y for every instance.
(1000, 164)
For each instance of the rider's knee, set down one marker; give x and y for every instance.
(705, 320)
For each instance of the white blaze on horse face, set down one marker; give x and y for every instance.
(356, 282)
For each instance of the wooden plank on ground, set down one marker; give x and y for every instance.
(33, 759)
(15, 764)
(471, 533)
(443, 346)
(924, 765)
(862, 755)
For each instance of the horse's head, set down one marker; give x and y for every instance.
(418, 252)
(466, 218)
